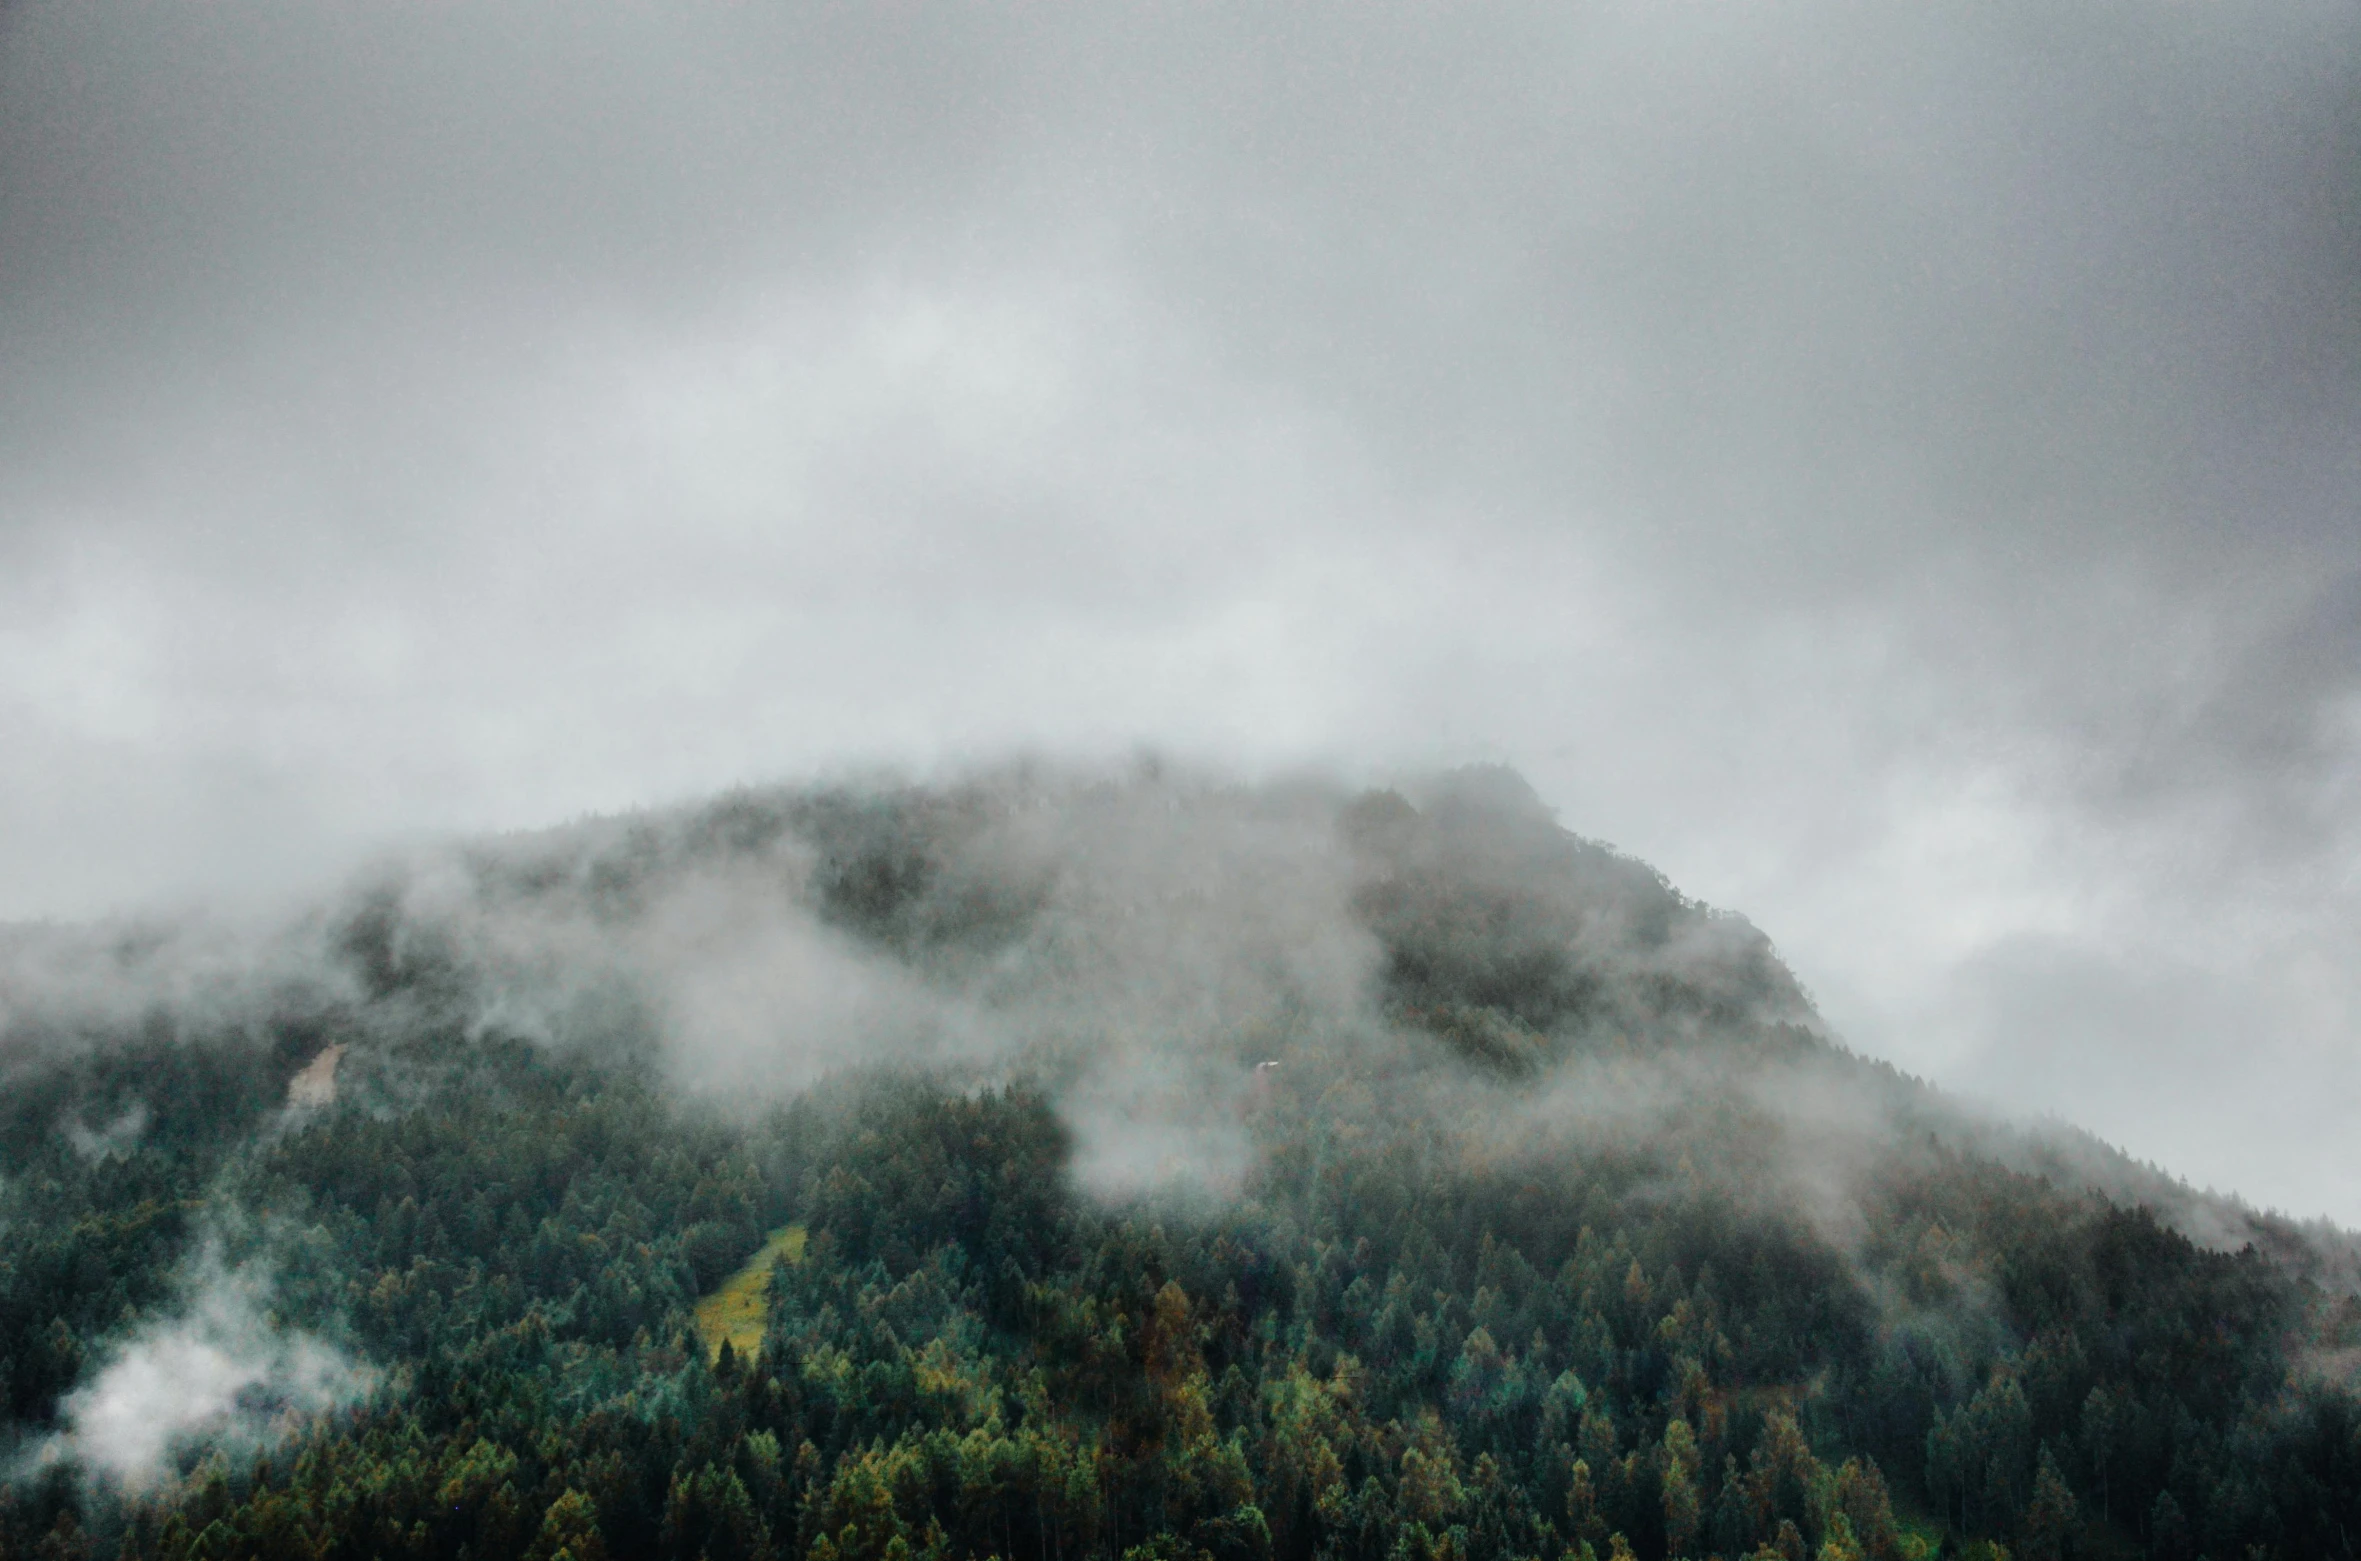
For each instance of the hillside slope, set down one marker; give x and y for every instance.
(1188, 1170)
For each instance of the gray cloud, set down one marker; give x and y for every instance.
(1892, 470)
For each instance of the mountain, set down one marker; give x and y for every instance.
(1050, 1164)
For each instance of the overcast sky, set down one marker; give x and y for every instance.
(1896, 468)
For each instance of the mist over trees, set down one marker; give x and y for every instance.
(1190, 1170)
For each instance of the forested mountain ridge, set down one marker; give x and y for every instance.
(1190, 1170)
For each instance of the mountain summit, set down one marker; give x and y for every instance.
(1073, 1164)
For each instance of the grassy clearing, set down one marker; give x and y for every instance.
(738, 1310)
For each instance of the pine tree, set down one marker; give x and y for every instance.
(2050, 1518)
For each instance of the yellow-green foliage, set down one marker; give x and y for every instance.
(738, 1310)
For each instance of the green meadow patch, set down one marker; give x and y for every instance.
(738, 1310)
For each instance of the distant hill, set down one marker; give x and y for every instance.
(1183, 1169)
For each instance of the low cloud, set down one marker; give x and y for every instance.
(1136, 940)
(219, 1372)
(62, 985)
(117, 1138)
(627, 931)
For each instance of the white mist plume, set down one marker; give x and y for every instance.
(748, 991)
(119, 1137)
(1186, 924)
(220, 1372)
(62, 985)
(1165, 924)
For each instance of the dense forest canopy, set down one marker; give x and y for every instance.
(1154, 1167)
